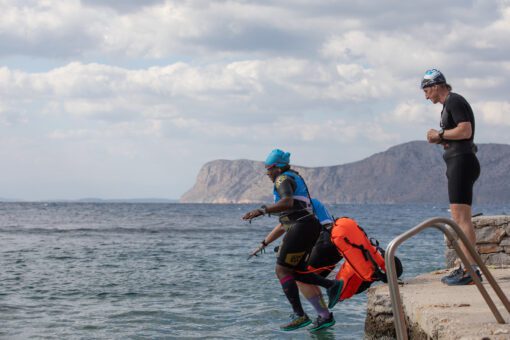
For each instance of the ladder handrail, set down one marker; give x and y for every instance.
(450, 229)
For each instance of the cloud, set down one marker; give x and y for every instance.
(413, 112)
(122, 83)
(494, 113)
(161, 29)
(124, 6)
(218, 90)
(120, 130)
(46, 28)
(333, 131)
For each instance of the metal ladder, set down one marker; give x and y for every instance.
(450, 229)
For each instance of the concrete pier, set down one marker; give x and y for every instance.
(436, 311)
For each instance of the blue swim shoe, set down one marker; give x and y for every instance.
(462, 280)
(459, 272)
(296, 322)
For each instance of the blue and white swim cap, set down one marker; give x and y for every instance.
(277, 158)
(432, 77)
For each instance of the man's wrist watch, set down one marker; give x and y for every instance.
(441, 134)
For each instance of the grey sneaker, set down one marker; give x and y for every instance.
(456, 273)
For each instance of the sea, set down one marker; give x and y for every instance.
(172, 271)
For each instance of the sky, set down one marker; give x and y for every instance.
(128, 99)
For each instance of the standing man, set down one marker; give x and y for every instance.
(462, 166)
(293, 205)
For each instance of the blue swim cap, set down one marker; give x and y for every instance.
(277, 158)
(432, 77)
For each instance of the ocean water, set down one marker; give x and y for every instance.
(170, 271)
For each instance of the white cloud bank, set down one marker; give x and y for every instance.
(495, 113)
(129, 99)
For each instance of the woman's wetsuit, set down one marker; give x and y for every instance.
(300, 223)
(462, 166)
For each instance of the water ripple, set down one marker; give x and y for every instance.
(160, 271)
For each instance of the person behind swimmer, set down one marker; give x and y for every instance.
(327, 255)
(462, 167)
(293, 205)
(324, 254)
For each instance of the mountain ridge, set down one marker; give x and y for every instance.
(412, 172)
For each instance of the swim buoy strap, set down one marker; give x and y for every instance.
(374, 242)
(378, 274)
(363, 230)
(316, 270)
(358, 246)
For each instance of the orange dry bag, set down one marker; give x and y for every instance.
(361, 255)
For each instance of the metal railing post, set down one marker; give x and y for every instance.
(450, 229)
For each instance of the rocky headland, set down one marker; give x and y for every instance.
(413, 172)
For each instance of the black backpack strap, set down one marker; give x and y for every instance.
(378, 274)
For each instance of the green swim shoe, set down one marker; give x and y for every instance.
(334, 293)
(322, 323)
(296, 322)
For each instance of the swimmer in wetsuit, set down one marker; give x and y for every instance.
(326, 256)
(293, 205)
(462, 166)
(361, 268)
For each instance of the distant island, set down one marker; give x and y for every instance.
(412, 172)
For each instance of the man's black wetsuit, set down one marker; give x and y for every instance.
(462, 166)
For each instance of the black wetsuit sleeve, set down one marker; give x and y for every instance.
(285, 186)
(459, 110)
